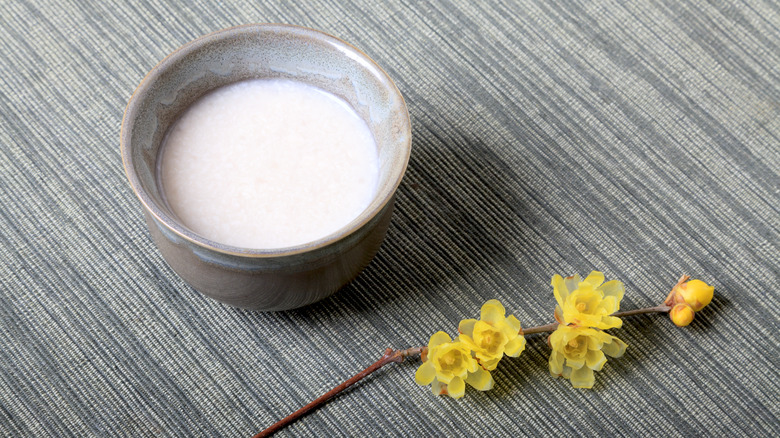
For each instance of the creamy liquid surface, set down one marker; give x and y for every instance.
(267, 164)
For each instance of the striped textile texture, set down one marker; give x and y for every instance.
(640, 138)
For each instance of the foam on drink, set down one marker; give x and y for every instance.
(268, 164)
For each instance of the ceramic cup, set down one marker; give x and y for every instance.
(265, 279)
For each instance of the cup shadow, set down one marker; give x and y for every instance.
(459, 209)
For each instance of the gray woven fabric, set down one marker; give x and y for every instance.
(641, 139)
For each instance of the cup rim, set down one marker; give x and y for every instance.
(176, 227)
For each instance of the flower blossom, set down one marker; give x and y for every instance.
(493, 335)
(578, 351)
(587, 303)
(449, 365)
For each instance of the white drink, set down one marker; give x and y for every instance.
(268, 164)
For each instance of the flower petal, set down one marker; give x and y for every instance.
(613, 288)
(438, 338)
(569, 332)
(597, 338)
(582, 378)
(456, 388)
(492, 312)
(444, 376)
(595, 279)
(584, 320)
(560, 290)
(607, 306)
(557, 337)
(515, 346)
(556, 363)
(513, 323)
(575, 363)
(425, 374)
(489, 363)
(559, 315)
(438, 388)
(595, 360)
(608, 322)
(616, 348)
(480, 380)
(466, 340)
(466, 327)
(572, 283)
(471, 365)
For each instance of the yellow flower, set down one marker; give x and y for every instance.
(578, 351)
(681, 314)
(448, 366)
(493, 335)
(695, 293)
(686, 298)
(588, 302)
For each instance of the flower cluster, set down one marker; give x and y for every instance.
(578, 344)
(686, 298)
(449, 364)
(585, 308)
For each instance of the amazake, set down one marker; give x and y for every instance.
(268, 164)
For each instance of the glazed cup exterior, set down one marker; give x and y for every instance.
(265, 279)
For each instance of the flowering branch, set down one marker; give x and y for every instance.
(391, 356)
(581, 314)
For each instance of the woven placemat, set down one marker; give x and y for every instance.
(549, 137)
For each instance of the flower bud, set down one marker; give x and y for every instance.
(681, 314)
(696, 294)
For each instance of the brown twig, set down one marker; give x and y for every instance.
(657, 309)
(391, 355)
(539, 329)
